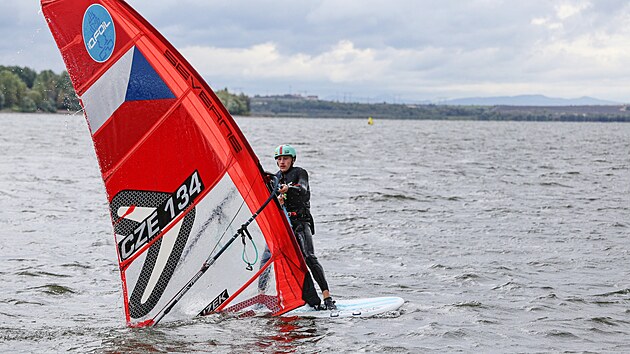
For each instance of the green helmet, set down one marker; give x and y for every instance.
(285, 150)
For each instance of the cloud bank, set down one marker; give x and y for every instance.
(407, 50)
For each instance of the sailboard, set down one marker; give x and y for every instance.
(180, 177)
(360, 307)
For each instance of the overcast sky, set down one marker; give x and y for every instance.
(367, 50)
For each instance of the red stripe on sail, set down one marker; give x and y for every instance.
(166, 157)
(126, 126)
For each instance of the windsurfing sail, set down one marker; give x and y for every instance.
(180, 177)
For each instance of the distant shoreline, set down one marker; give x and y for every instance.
(297, 107)
(46, 92)
(60, 112)
(523, 116)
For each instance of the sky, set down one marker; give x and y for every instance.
(376, 50)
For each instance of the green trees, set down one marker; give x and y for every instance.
(13, 89)
(45, 88)
(24, 90)
(298, 106)
(66, 97)
(235, 104)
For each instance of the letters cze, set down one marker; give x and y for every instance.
(203, 96)
(161, 217)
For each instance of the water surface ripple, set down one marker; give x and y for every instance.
(501, 237)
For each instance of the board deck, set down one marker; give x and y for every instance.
(365, 307)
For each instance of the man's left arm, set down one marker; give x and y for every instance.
(302, 182)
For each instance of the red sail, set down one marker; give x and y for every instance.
(180, 176)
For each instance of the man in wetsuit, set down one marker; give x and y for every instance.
(295, 195)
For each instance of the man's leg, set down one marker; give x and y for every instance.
(303, 233)
(309, 294)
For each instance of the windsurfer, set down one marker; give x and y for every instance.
(295, 195)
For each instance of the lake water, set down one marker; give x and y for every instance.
(500, 236)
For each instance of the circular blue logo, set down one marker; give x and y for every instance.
(99, 34)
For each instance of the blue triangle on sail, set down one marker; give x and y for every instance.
(144, 81)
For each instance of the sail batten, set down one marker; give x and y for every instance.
(179, 174)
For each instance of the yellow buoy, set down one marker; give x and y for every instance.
(370, 121)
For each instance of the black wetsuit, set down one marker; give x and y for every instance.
(298, 207)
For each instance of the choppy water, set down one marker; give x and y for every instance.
(501, 237)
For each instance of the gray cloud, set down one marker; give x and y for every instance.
(411, 49)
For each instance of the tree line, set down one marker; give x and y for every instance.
(283, 106)
(238, 105)
(22, 89)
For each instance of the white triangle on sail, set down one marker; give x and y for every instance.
(108, 93)
(166, 247)
(138, 214)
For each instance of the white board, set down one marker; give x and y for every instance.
(366, 307)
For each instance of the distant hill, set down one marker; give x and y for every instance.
(528, 100)
(312, 107)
